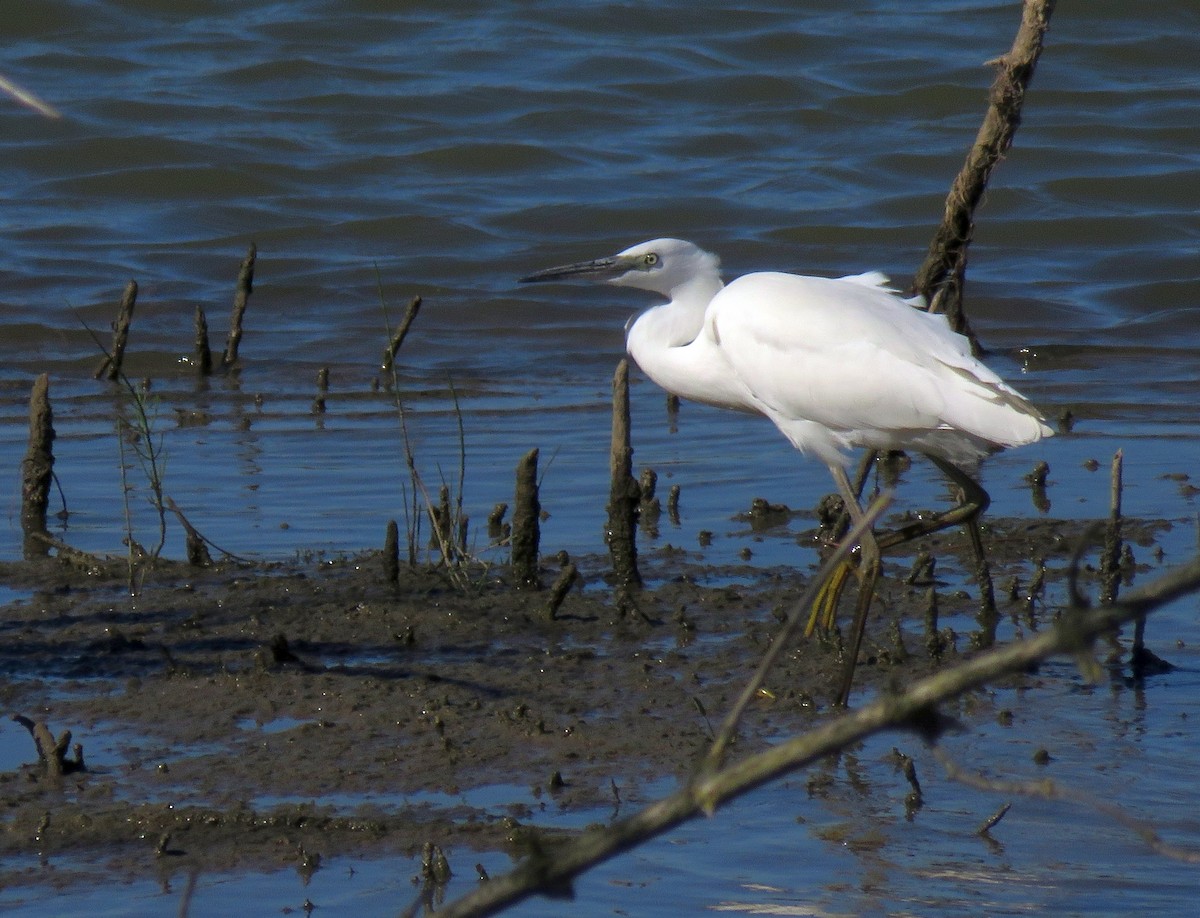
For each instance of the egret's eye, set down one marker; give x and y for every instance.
(650, 260)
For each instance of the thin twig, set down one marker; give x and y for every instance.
(1048, 789)
(193, 532)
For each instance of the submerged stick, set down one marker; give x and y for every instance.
(318, 406)
(624, 491)
(37, 469)
(245, 285)
(1110, 563)
(110, 366)
(526, 527)
(940, 277)
(203, 351)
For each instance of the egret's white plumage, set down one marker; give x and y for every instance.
(836, 363)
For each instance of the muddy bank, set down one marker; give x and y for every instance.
(274, 715)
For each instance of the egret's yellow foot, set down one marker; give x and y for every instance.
(824, 607)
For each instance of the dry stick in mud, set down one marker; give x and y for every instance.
(110, 365)
(552, 869)
(567, 578)
(52, 753)
(391, 553)
(624, 492)
(245, 285)
(526, 528)
(37, 470)
(1141, 659)
(196, 546)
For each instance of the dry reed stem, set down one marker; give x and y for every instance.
(1110, 561)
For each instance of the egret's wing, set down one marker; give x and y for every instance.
(851, 361)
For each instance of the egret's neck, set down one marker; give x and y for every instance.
(668, 344)
(693, 296)
(678, 322)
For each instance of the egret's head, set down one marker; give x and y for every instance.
(661, 265)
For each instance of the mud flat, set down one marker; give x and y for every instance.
(243, 717)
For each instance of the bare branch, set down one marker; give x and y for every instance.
(551, 870)
(940, 277)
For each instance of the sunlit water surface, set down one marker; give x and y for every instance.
(375, 152)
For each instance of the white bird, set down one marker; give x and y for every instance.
(835, 363)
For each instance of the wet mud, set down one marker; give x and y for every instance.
(245, 717)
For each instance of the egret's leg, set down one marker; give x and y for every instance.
(869, 563)
(869, 573)
(975, 495)
(824, 612)
(867, 541)
(975, 500)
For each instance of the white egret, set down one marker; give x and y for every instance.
(835, 363)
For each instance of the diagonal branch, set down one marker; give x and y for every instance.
(552, 869)
(940, 277)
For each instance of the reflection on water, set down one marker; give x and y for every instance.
(447, 154)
